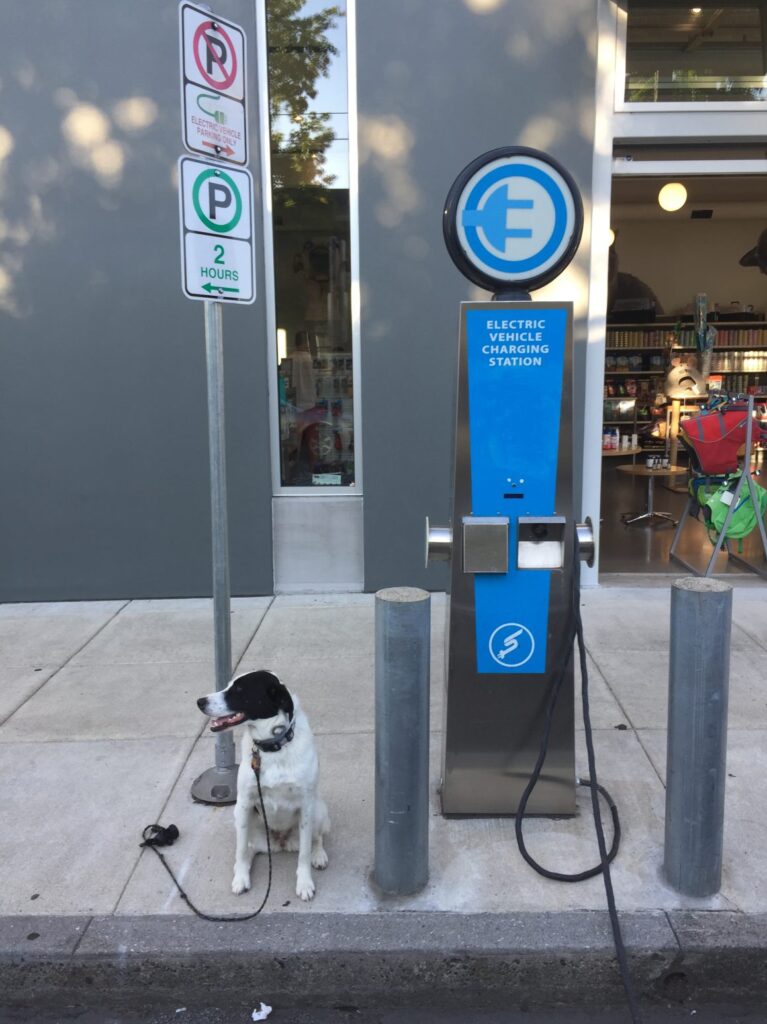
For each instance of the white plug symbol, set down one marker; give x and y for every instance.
(510, 644)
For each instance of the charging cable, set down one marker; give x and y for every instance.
(573, 633)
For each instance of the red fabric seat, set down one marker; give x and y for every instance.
(715, 439)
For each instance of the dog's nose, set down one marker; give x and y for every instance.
(201, 703)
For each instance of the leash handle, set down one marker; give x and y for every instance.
(159, 836)
(156, 835)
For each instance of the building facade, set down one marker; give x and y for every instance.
(340, 378)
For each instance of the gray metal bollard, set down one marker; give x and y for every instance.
(403, 626)
(699, 676)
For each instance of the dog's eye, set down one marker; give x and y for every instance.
(278, 730)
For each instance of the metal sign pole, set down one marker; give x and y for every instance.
(217, 252)
(218, 785)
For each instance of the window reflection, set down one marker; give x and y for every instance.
(308, 112)
(680, 53)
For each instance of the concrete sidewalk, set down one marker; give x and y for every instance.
(100, 736)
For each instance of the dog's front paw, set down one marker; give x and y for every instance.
(320, 859)
(305, 887)
(241, 881)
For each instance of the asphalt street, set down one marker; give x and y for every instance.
(351, 1015)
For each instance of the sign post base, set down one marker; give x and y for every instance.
(216, 786)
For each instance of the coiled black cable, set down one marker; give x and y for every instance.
(573, 632)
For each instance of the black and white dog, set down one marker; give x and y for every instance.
(277, 732)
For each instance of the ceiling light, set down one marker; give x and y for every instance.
(610, 237)
(695, 10)
(672, 196)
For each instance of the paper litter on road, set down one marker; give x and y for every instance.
(262, 1013)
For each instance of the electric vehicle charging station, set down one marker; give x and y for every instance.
(512, 222)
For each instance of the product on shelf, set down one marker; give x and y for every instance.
(637, 358)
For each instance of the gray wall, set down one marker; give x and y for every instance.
(103, 416)
(440, 83)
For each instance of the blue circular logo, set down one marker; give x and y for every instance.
(511, 645)
(513, 218)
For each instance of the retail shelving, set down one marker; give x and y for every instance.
(637, 357)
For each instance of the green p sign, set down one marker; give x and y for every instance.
(216, 232)
(216, 196)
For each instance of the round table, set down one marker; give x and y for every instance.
(612, 452)
(651, 474)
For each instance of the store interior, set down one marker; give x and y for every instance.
(686, 327)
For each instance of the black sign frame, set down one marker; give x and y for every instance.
(501, 285)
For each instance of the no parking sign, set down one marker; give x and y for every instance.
(213, 85)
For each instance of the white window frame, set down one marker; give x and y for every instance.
(685, 168)
(278, 488)
(622, 105)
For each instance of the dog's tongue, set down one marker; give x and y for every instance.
(227, 721)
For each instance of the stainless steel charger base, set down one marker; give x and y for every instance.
(493, 723)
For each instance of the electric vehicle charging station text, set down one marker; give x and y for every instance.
(512, 221)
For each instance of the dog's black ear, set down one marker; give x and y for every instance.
(279, 696)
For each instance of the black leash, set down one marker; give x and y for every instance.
(156, 835)
(575, 631)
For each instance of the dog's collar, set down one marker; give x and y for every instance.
(278, 742)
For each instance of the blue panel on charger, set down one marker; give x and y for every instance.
(515, 361)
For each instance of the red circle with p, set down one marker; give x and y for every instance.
(216, 55)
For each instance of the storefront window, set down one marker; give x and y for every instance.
(308, 114)
(680, 53)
